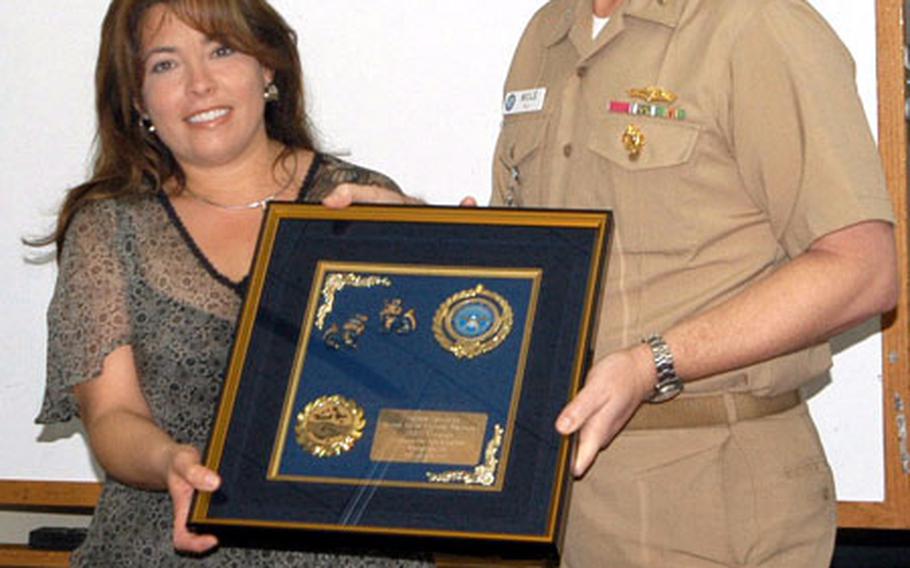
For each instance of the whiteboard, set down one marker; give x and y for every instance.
(412, 90)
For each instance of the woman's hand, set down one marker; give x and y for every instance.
(186, 473)
(614, 389)
(347, 193)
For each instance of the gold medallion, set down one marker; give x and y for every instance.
(329, 426)
(472, 322)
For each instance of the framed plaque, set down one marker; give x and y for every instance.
(395, 378)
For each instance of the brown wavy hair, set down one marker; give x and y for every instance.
(130, 161)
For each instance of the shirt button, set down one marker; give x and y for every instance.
(567, 150)
(581, 71)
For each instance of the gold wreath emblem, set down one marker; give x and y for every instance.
(472, 322)
(329, 426)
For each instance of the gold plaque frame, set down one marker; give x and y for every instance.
(561, 264)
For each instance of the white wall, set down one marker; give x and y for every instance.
(411, 89)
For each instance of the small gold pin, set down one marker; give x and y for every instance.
(634, 141)
(347, 335)
(395, 319)
(653, 94)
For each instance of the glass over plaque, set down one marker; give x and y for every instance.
(396, 375)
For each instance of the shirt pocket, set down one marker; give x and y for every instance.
(517, 169)
(653, 191)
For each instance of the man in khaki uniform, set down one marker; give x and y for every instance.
(752, 223)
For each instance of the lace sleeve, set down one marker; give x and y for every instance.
(333, 172)
(88, 316)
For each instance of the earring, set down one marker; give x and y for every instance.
(146, 124)
(270, 94)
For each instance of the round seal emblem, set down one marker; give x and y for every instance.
(510, 102)
(472, 322)
(329, 426)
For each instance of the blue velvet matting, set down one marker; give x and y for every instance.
(410, 371)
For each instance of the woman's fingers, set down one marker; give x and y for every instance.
(184, 540)
(185, 475)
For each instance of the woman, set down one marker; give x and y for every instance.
(200, 124)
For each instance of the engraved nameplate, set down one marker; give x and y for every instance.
(429, 436)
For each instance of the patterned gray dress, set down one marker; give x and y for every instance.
(130, 274)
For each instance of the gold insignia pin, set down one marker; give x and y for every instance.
(634, 140)
(653, 94)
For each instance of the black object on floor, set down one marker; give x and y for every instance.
(862, 548)
(56, 538)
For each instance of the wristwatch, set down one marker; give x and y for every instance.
(668, 382)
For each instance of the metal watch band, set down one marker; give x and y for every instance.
(668, 382)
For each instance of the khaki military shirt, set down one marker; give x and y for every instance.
(756, 147)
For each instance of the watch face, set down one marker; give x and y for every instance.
(666, 391)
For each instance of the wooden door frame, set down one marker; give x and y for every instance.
(894, 511)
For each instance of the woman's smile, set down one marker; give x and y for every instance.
(209, 117)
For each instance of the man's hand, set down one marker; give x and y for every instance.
(614, 389)
(348, 193)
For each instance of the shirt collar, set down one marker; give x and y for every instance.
(577, 12)
(559, 22)
(666, 12)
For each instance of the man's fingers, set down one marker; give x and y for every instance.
(339, 198)
(587, 450)
(348, 193)
(579, 410)
(593, 437)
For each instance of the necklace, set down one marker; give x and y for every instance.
(258, 204)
